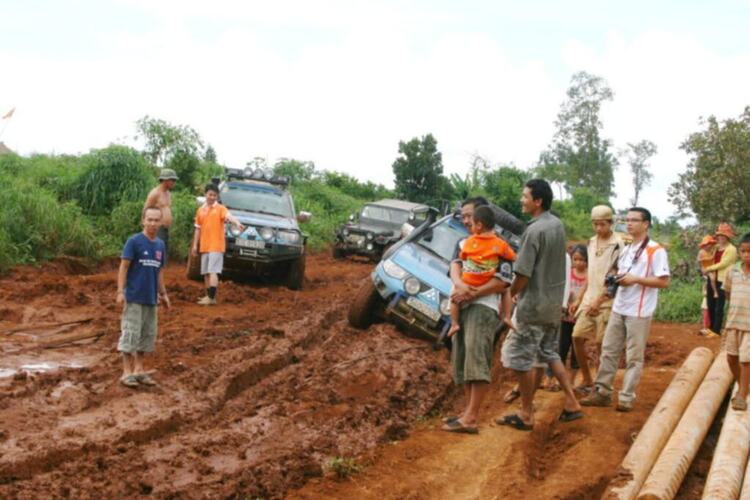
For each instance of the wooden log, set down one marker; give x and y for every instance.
(670, 468)
(656, 431)
(724, 479)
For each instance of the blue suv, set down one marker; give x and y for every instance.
(411, 285)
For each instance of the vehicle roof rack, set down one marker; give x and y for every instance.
(257, 174)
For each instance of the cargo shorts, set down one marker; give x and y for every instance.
(138, 328)
(591, 327)
(528, 346)
(474, 344)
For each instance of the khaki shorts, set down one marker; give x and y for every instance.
(139, 323)
(737, 343)
(591, 327)
(212, 263)
(531, 346)
(473, 344)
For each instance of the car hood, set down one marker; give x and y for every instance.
(256, 219)
(424, 265)
(373, 227)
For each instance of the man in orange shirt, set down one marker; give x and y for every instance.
(209, 234)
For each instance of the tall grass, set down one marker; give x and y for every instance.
(329, 206)
(680, 302)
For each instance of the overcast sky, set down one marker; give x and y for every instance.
(341, 82)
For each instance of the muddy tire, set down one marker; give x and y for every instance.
(362, 312)
(295, 276)
(193, 268)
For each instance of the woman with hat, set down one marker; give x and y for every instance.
(706, 252)
(724, 257)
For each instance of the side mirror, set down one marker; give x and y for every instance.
(200, 200)
(406, 229)
(351, 217)
(304, 216)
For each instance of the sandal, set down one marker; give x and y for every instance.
(739, 404)
(569, 416)
(129, 381)
(514, 421)
(511, 395)
(450, 419)
(553, 388)
(584, 389)
(458, 427)
(145, 379)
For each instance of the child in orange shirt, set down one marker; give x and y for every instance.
(706, 258)
(480, 255)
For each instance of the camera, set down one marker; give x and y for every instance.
(611, 284)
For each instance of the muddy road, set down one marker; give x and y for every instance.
(257, 394)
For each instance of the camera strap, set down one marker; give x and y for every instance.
(638, 254)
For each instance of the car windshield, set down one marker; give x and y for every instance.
(442, 239)
(252, 198)
(384, 214)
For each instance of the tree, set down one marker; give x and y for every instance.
(419, 171)
(164, 140)
(716, 184)
(210, 154)
(578, 156)
(504, 186)
(296, 170)
(637, 156)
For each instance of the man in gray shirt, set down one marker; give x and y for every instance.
(539, 286)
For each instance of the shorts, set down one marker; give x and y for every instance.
(138, 328)
(737, 343)
(591, 327)
(474, 344)
(212, 263)
(531, 346)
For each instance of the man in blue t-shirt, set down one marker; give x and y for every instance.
(140, 287)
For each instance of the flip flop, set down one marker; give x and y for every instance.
(583, 389)
(553, 388)
(129, 381)
(458, 427)
(569, 416)
(450, 419)
(145, 379)
(511, 396)
(514, 421)
(739, 404)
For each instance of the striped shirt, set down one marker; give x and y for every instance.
(737, 284)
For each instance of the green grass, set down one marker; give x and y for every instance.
(681, 302)
(342, 468)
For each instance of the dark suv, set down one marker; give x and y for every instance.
(272, 242)
(377, 226)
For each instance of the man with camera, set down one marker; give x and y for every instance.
(643, 268)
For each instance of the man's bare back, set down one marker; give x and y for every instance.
(162, 198)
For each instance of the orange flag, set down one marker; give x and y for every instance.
(9, 114)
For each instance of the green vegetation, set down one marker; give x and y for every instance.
(681, 302)
(342, 468)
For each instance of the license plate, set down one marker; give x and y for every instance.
(250, 243)
(423, 308)
(246, 252)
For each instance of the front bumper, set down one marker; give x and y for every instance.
(399, 312)
(236, 257)
(357, 246)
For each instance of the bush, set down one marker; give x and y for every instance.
(111, 176)
(342, 467)
(680, 302)
(330, 208)
(35, 226)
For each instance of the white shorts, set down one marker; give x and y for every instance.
(212, 263)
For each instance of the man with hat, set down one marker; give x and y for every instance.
(161, 198)
(724, 258)
(593, 306)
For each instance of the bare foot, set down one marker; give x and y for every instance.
(453, 329)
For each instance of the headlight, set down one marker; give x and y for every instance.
(412, 286)
(345, 232)
(291, 237)
(445, 307)
(266, 233)
(370, 236)
(394, 270)
(369, 246)
(235, 231)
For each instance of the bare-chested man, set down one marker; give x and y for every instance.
(161, 197)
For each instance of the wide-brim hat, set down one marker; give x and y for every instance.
(707, 240)
(167, 174)
(725, 229)
(601, 212)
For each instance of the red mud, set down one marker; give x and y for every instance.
(257, 394)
